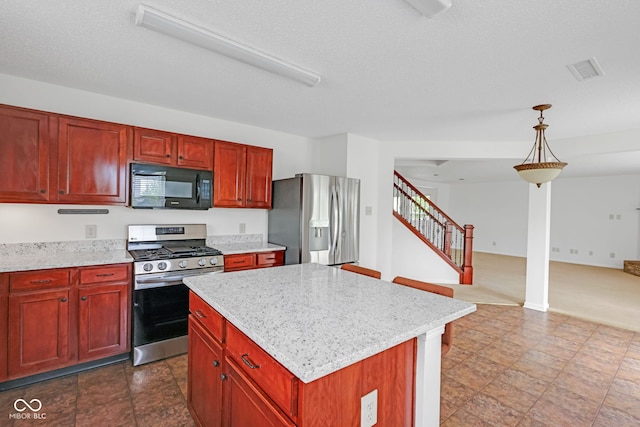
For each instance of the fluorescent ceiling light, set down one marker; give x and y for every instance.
(429, 8)
(185, 31)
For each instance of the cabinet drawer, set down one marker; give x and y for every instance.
(42, 279)
(268, 259)
(211, 319)
(239, 261)
(276, 381)
(105, 273)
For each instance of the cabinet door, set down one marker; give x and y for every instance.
(270, 259)
(38, 332)
(194, 152)
(258, 181)
(154, 146)
(245, 404)
(4, 317)
(204, 390)
(24, 155)
(229, 169)
(92, 161)
(103, 321)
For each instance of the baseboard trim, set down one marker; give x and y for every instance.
(537, 307)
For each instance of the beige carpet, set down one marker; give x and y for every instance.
(604, 295)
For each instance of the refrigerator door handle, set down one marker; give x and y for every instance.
(332, 221)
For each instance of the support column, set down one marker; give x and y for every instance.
(428, 364)
(538, 241)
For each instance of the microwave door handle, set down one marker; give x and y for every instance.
(198, 188)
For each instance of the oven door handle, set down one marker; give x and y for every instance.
(157, 282)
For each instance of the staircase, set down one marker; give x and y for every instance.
(430, 224)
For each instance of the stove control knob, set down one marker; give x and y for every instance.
(202, 262)
(213, 261)
(182, 264)
(162, 265)
(147, 266)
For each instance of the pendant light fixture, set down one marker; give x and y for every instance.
(536, 168)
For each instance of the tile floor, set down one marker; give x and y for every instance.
(509, 367)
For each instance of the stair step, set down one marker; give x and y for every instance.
(632, 267)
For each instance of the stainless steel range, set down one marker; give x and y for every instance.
(163, 255)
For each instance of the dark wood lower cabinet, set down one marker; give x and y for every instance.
(38, 332)
(57, 318)
(245, 404)
(204, 391)
(103, 321)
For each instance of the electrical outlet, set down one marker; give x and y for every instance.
(90, 231)
(368, 210)
(243, 228)
(369, 409)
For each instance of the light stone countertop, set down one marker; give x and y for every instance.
(246, 247)
(42, 255)
(316, 319)
(62, 259)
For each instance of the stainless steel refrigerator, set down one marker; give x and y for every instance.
(317, 218)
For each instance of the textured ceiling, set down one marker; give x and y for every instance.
(388, 73)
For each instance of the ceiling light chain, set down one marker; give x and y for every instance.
(539, 170)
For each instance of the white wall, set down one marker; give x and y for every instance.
(362, 157)
(329, 156)
(596, 219)
(580, 218)
(413, 259)
(497, 210)
(33, 223)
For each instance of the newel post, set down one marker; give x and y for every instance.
(448, 236)
(467, 267)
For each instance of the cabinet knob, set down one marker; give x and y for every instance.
(61, 192)
(43, 191)
(223, 377)
(180, 157)
(248, 200)
(216, 363)
(63, 299)
(83, 298)
(239, 199)
(168, 155)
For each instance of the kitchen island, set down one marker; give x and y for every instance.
(318, 322)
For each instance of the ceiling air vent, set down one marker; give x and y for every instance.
(586, 69)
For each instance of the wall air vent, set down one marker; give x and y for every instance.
(584, 70)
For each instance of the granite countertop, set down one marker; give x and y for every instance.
(62, 260)
(246, 247)
(316, 319)
(38, 256)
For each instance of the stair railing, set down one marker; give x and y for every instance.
(427, 221)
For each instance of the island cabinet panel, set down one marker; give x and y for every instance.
(24, 155)
(276, 381)
(4, 318)
(166, 148)
(39, 331)
(204, 390)
(92, 161)
(210, 319)
(335, 398)
(245, 404)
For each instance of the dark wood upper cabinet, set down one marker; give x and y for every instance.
(229, 170)
(242, 176)
(258, 180)
(24, 155)
(166, 148)
(92, 161)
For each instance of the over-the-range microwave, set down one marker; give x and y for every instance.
(161, 187)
